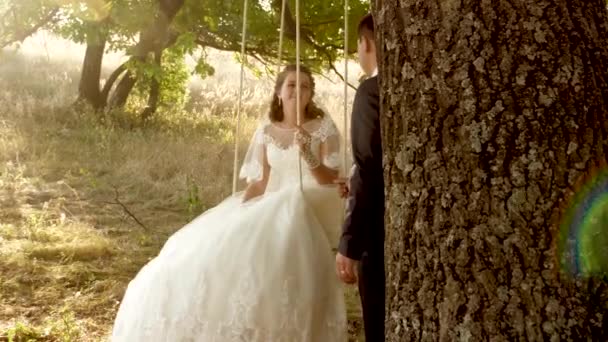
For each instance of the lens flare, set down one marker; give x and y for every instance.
(583, 237)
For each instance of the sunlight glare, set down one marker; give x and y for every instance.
(95, 10)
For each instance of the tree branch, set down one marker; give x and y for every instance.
(21, 36)
(205, 39)
(326, 22)
(124, 208)
(333, 68)
(307, 36)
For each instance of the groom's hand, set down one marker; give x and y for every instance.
(346, 269)
(343, 189)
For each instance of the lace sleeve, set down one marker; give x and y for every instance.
(330, 137)
(253, 164)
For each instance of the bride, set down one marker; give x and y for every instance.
(259, 266)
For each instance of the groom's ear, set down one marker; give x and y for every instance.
(369, 44)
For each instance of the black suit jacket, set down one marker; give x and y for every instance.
(363, 229)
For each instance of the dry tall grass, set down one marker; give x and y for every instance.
(68, 247)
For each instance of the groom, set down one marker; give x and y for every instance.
(361, 250)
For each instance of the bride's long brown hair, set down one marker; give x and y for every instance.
(276, 108)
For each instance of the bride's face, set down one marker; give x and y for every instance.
(287, 93)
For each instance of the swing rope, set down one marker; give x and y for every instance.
(298, 110)
(345, 123)
(281, 31)
(237, 132)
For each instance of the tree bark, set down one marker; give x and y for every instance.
(491, 112)
(89, 88)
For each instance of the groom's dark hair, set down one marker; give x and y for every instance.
(366, 27)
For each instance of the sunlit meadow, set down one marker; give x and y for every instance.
(86, 199)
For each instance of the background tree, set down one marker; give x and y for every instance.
(158, 34)
(491, 112)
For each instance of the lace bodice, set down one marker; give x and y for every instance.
(275, 145)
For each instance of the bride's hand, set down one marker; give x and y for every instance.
(303, 139)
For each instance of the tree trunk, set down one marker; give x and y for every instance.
(491, 111)
(154, 38)
(89, 88)
(111, 80)
(123, 89)
(154, 89)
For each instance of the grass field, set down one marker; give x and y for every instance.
(87, 199)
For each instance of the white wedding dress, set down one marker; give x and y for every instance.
(262, 271)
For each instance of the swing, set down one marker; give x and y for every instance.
(242, 74)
